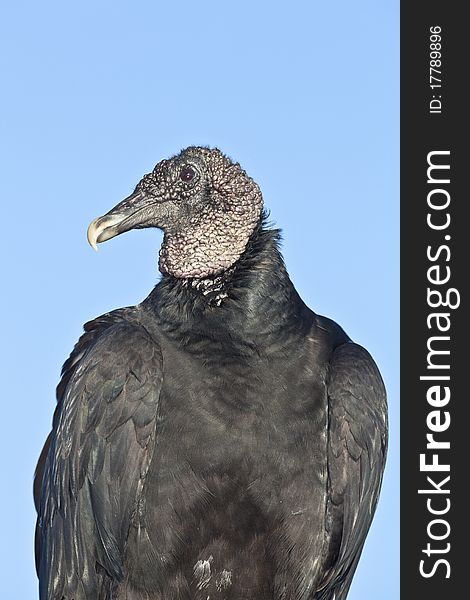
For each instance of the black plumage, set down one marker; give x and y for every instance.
(219, 440)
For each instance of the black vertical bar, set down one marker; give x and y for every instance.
(435, 252)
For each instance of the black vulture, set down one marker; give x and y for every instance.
(218, 441)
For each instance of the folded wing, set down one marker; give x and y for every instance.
(91, 474)
(356, 459)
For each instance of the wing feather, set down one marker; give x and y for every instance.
(357, 449)
(91, 473)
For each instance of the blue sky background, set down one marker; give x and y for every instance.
(303, 93)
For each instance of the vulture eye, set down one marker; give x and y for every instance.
(187, 173)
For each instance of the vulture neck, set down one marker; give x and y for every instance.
(253, 302)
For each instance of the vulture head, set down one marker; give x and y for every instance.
(206, 205)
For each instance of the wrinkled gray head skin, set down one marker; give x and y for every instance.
(206, 205)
